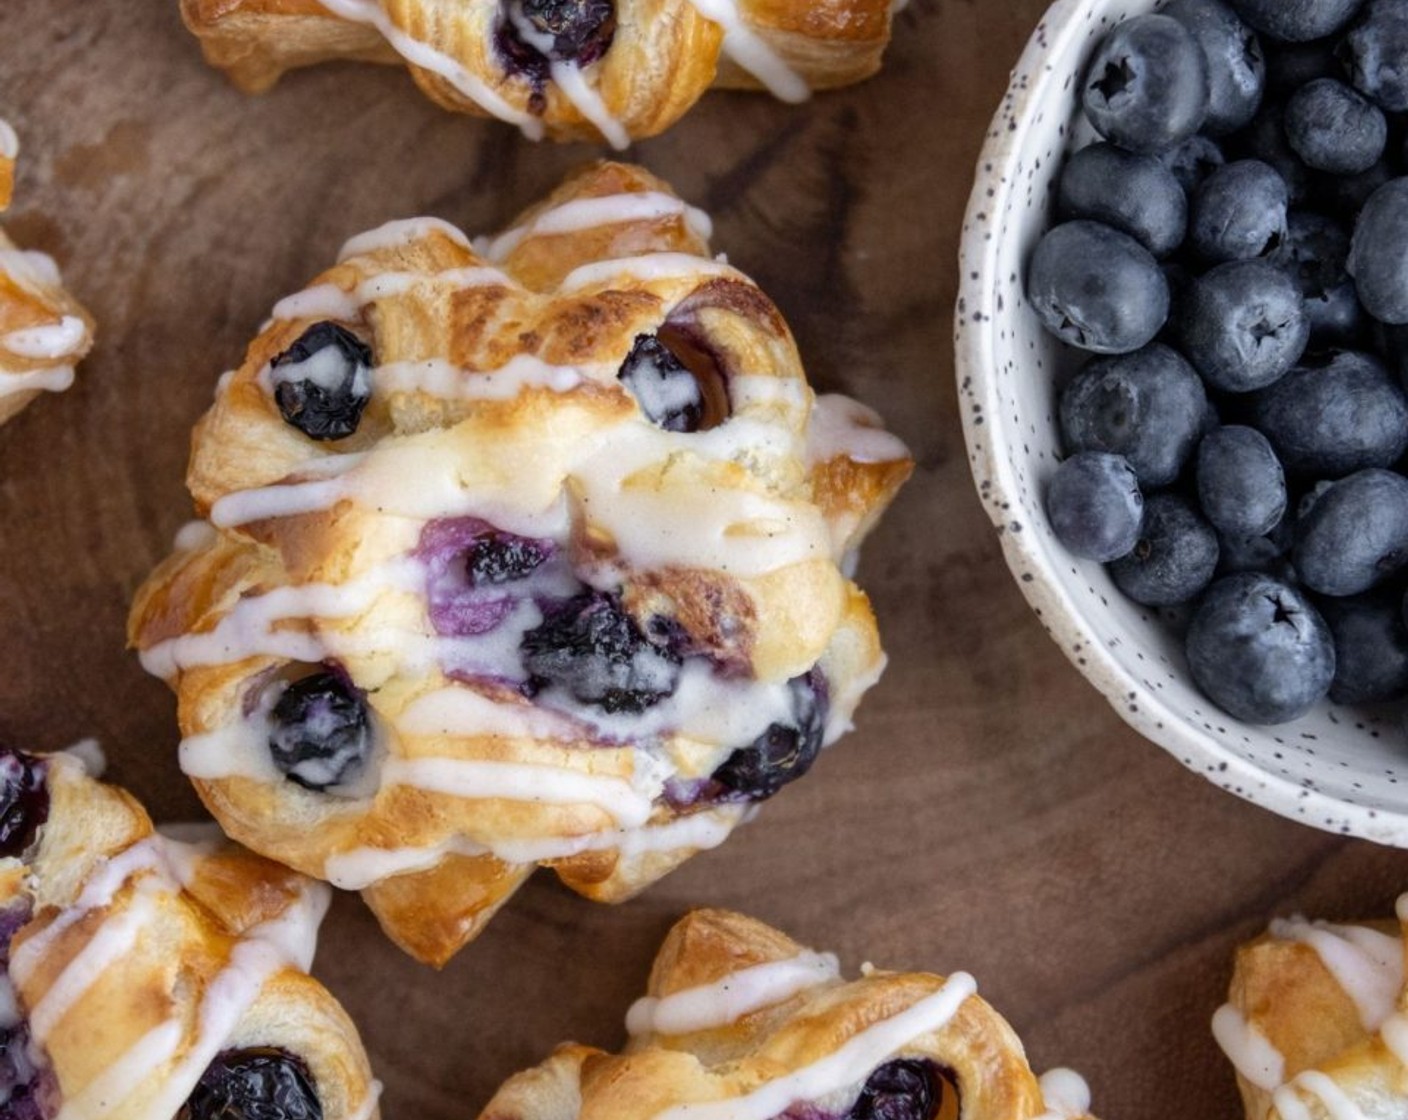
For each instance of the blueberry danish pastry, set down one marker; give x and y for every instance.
(742, 1023)
(143, 978)
(569, 69)
(527, 552)
(1316, 1022)
(43, 330)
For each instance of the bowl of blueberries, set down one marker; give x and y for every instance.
(1182, 351)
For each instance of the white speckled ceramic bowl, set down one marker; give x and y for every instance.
(1338, 769)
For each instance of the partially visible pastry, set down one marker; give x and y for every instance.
(617, 70)
(1316, 1021)
(529, 552)
(43, 330)
(742, 1023)
(142, 978)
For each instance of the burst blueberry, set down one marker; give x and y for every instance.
(785, 751)
(903, 1089)
(591, 648)
(666, 389)
(322, 383)
(255, 1084)
(533, 34)
(1146, 88)
(320, 733)
(24, 801)
(497, 558)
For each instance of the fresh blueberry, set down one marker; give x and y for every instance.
(1315, 253)
(1333, 129)
(1371, 648)
(1147, 85)
(1259, 650)
(24, 801)
(1331, 419)
(1239, 212)
(1265, 140)
(255, 1084)
(1241, 486)
(1147, 406)
(1375, 54)
(1378, 257)
(1268, 554)
(323, 382)
(1095, 505)
(1193, 161)
(903, 1089)
(782, 753)
(1135, 194)
(1243, 325)
(667, 390)
(1297, 21)
(1174, 558)
(1355, 535)
(1236, 64)
(533, 34)
(320, 732)
(589, 646)
(1097, 288)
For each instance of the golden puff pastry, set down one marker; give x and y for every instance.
(145, 978)
(742, 1023)
(1316, 1023)
(43, 330)
(527, 552)
(568, 69)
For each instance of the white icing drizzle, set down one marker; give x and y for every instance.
(575, 87)
(90, 755)
(646, 267)
(450, 382)
(328, 301)
(1394, 1032)
(846, 1066)
(30, 266)
(48, 341)
(1367, 964)
(591, 213)
(1336, 1102)
(747, 48)
(732, 996)
(54, 380)
(1065, 1095)
(9, 141)
(398, 234)
(1250, 1052)
(842, 427)
(194, 535)
(422, 54)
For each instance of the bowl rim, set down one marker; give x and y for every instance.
(976, 318)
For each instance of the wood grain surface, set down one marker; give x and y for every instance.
(990, 813)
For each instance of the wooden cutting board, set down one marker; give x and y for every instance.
(990, 813)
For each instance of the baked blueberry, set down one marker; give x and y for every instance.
(497, 558)
(591, 648)
(533, 34)
(904, 1089)
(1316, 252)
(1355, 535)
(1297, 21)
(1243, 325)
(1378, 256)
(20, 1084)
(1335, 417)
(1097, 288)
(1259, 650)
(1146, 88)
(1371, 648)
(320, 732)
(1334, 129)
(1147, 406)
(1135, 194)
(24, 801)
(1193, 161)
(1095, 505)
(254, 1084)
(1241, 485)
(667, 391)
(1236, 64)
(1239, 212)
(782, 753)
(1375, 54)
(323, 382)
(1174, 558)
